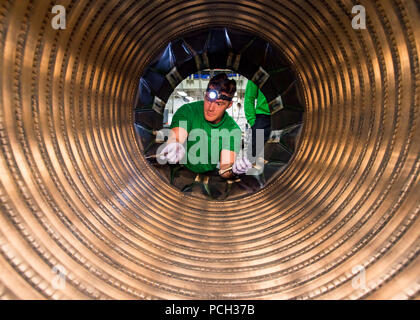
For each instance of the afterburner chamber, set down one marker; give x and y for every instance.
(85, 216)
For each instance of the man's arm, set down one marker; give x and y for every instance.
(173, 150)
(227, 158)
(251, 93)
(231, 145)
(177, 134)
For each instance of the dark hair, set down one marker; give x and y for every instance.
(221, 83)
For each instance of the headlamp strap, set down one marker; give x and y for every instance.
(219, 96)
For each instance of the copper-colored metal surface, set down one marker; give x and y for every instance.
(78, 196)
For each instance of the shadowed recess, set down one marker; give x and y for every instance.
(85, 216)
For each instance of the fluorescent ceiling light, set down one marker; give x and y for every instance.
(182, 93)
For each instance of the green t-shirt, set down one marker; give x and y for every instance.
(205, 140)
(252, 92)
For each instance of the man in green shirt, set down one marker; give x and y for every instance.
(257, 115)
(209, 133)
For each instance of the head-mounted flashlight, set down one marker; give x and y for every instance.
(214, 95)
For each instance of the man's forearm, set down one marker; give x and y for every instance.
(227, 158)
(250, 114)
(178, 134)
(249, 102)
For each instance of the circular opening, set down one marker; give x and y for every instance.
(266, 107)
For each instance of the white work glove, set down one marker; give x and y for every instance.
(173, 153)
(241, 165)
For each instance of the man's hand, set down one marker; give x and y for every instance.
(173, 153)
(241, 165)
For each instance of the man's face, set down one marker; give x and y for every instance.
(214, 110)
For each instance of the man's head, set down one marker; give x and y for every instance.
(218, 97)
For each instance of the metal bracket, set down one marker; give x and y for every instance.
(158, 105)
(174, 77)
(276, 105)
(260, 77)
(233, 61)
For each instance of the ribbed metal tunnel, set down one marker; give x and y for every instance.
(77, 195)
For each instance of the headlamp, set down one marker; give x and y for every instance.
(214, 95)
